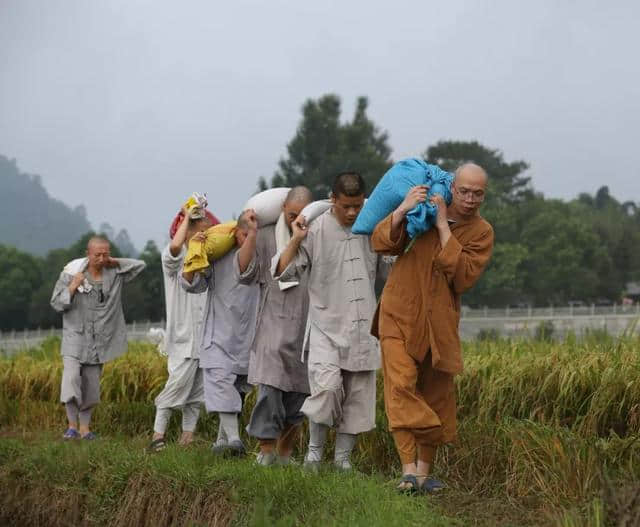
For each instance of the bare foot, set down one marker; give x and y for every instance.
(186, 439)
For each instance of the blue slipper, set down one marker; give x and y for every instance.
(71, 433)
(408, 484)
(89, 436)
(432, 486)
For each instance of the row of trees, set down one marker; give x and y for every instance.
(547, 250)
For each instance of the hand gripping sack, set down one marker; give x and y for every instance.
(392, 189)
(220, 239)
(180, 217)
(268, 205)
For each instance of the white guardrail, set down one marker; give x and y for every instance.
(615, 319)
(11, 341)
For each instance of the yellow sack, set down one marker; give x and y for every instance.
(220, 239)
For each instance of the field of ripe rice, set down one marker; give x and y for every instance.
(548, 435)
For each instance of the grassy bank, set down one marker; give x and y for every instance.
(544, 429)
(115, 483)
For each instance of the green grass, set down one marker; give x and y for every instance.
(114, 482)
(548, 435)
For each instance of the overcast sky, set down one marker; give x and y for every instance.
(128, 106)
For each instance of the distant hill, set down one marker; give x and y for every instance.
(30, 219)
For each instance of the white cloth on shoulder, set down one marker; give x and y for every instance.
(283, 237)
(77, 266)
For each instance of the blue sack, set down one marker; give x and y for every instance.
(392, 189)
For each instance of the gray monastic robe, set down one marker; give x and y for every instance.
(342, 269)
(94, 331)
(230, 314)
(275, 353)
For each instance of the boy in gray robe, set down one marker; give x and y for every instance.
(229, 326)
(343, 356)
(275, 364)
(88, 293)
(185, 315)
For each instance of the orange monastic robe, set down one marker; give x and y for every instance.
(417, 324)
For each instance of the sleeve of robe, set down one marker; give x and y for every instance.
(299, 265)
(254, 270)
(61, 297)
(250, 274)
(463, 265)
(199, 284)
(129, 268)
(381, 238)
(171, 265)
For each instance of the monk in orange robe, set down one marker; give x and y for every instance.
(418, 315)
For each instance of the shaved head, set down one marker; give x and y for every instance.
(299, 194)
(297, 199)
(473, 172)
(469, 188)
(96, 240)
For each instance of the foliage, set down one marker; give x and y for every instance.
(323, 147)
(143, 299)
(547, 251)
(20, 274)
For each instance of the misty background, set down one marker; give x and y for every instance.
(126, 107)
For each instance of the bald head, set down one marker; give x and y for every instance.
(470, 172)
(297, 199)
(95, 241)
(469, 188)
(299, 194)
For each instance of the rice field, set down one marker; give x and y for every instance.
(548, 435)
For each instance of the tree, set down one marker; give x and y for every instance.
(19, 277)
(566, 260)
(143, 298)
(324, 147)
(503, 281)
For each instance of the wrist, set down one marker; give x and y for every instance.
(401, 211)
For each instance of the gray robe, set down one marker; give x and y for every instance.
(275, 353)
(342, 269)
(230, 315)
(94, 332)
